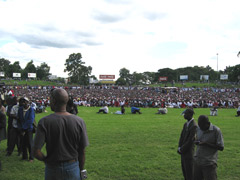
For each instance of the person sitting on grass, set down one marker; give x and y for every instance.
(122, 110)
(214, 111)
(162, 110)
(238, 111)
(104, 110)
(135, 110)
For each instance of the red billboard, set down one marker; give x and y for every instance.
(163, 78)
(106, 76)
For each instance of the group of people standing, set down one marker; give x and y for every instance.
(201, 164)
(63, 132)
(19, 131)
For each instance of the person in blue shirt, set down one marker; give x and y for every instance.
(135, 110)
(26, 115)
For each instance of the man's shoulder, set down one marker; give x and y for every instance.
(215, 128)
(58, 116)
(194, 123)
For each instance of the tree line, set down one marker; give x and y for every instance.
(79, 73)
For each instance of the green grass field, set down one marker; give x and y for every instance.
(135, 147)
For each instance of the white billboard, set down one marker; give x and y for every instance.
(16, 75)
(224, 77)
(204, 77)
(2, 74)
(52, 77)
(183, 77)
(32, 75)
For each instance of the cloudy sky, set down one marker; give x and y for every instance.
(140, 35)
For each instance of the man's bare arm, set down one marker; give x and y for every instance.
(38, 154)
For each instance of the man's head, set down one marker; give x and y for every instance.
(188, 114)
(203, 122)
(15, 100)
(58, 100)
(25, 102)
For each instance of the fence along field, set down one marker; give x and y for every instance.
(135, 147)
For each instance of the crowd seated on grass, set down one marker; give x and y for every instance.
(137, 96)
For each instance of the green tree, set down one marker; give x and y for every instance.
(30, 68)
(120, 81)
(14, 68)
(171, 74)
(85, 73)
(43, 71)
(137, 78)
(149, 77)
(4, 66)
(76, 70)
(233, 72)
(124, 77)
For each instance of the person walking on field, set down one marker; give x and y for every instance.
(209, 141)
(65, 136)
(186, 144)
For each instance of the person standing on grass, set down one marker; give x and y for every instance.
(65, 136)
(26, 117)
(3, 132)
(15, 133)
(186, 144)
(209, 141)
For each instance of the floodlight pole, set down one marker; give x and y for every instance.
(217, 62)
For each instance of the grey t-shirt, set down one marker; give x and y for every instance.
(64, 135)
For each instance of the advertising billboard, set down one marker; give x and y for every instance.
(224, 77)
(106, 76)
(162, 78)
(16, 75)
(204, 77)
(32, 75)
(183, 77)
(2, 74)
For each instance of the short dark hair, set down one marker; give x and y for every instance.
(190, 111)
(203, 118)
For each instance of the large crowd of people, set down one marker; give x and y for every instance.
(133, 96)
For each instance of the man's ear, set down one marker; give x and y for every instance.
(209, 123)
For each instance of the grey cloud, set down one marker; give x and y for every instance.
(107, 18)
(41, 41)
(154, 16)
(47, 36)
(92, 43)
(82, 34)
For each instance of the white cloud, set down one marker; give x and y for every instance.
(139, 35)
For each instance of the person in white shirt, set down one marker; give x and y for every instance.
(104, 110)
(162, 111)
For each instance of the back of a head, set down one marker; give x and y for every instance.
(189, 111)
(60, 97)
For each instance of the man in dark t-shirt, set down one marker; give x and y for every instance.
(65, 137)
